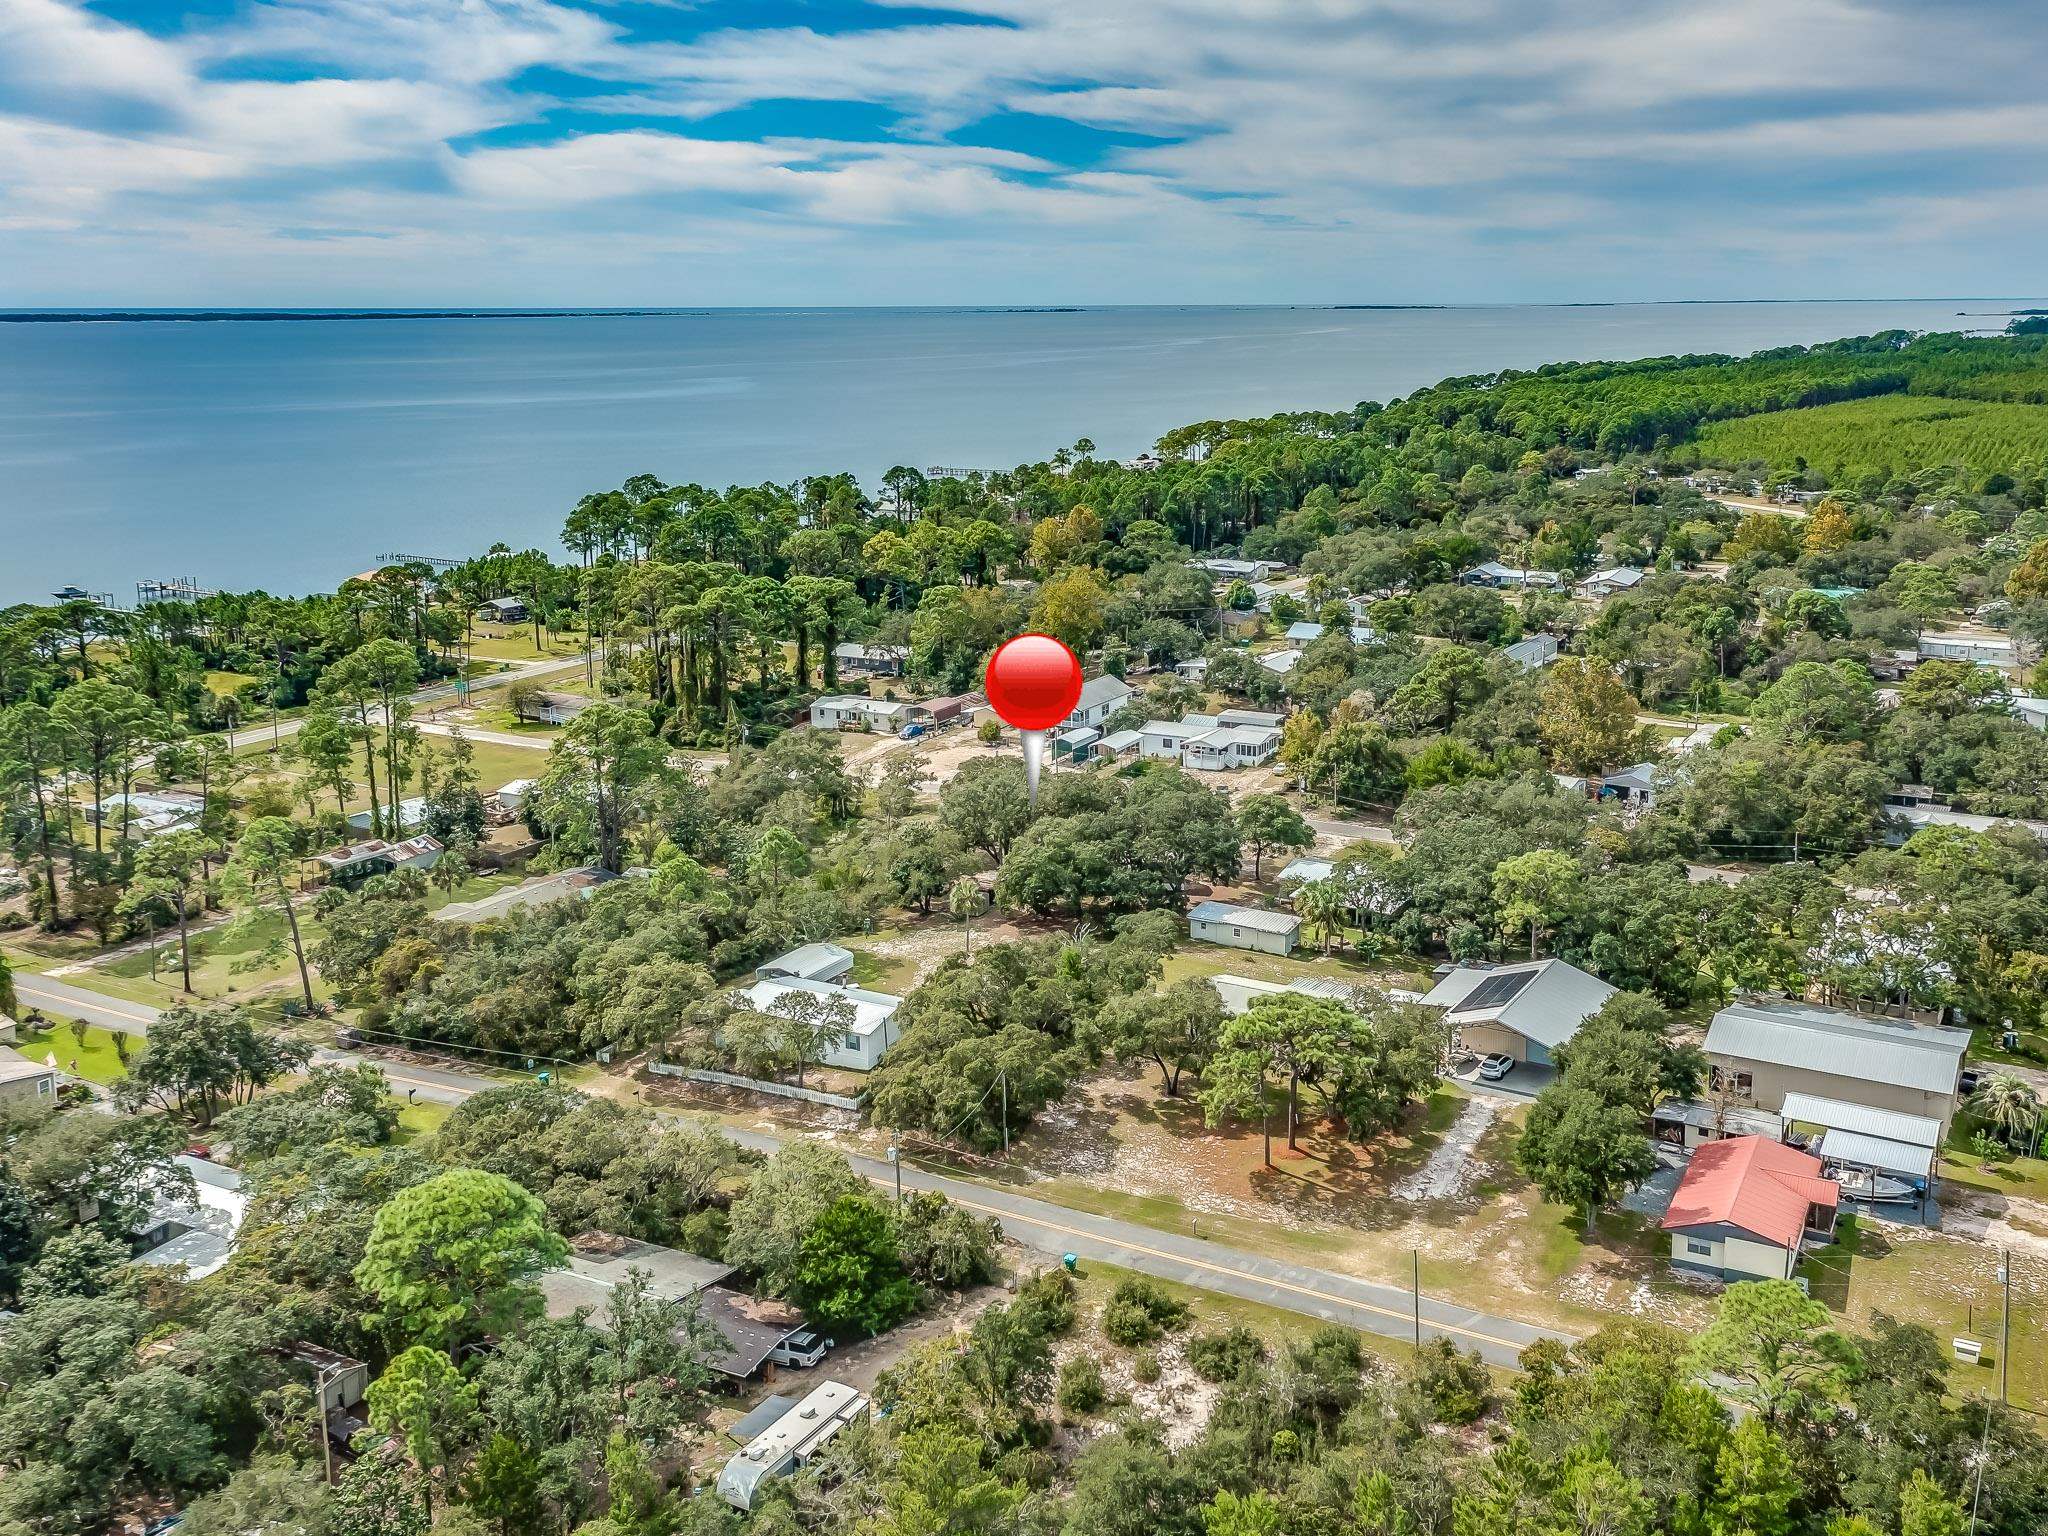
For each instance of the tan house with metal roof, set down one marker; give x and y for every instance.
(1764, 1052)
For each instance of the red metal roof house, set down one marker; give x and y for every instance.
(1746, 1206)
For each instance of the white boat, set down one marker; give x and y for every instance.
(1860, 1184)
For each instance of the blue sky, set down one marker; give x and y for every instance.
(195, 152)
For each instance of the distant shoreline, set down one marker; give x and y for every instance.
(233, 316)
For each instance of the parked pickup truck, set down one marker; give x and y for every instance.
(802, 1350)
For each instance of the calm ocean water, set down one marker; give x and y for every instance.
(289, 454)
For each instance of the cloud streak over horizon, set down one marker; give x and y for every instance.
(1016, 151)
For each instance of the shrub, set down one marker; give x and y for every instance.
(1045, 1303)
(1139, 1311)
(944, 1244)
(1145, 1366)
(1226, 1354)
(1080, 1390)
(1454, 1383)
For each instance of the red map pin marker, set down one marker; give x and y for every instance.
(1033, 683)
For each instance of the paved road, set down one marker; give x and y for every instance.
(61, 997)
(264, 731)
(1051, 1229)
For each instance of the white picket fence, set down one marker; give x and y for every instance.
(753, 1084)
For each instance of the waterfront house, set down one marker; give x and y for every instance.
(502, 610)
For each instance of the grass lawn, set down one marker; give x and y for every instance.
(2002, 1174)
(96, 1058)
(1948, 1286)
(417, 1121)
(514, 643)
(881, 973)
(226, 684)
(496, 763)
(227, 965)
(1985, 1046)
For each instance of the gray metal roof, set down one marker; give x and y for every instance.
(1838, 1115)
(813, 962)
(1244, 917)
(1879, 1152)
(1102, 690)
(1548, 1007)
(1825, 1040)
(1840, 1045)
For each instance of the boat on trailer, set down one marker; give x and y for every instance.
(1877, 1188)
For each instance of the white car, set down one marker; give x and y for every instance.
(1495, 1067)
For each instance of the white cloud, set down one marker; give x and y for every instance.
(1307, 139)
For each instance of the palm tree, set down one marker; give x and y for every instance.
(1321, 902)
(963, 901)
(2008, 1103)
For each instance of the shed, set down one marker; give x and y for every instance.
(1220, 922)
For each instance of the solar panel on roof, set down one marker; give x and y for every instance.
(1496, 991)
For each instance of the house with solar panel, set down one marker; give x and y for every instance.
(1764, 1053)
(1523, 1012)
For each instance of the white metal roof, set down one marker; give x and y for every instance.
(1877, 1152)
(814, 962)
(1839, 1044)
(1547, 1007)
(1240, 992)
(1254, 918)
(1282, 662)
(1307, 869)
(871, 1010)
(1304, 629)
(1840, 1115)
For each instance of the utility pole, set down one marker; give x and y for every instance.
(2004, 1317)
(1004, 1078)
(320, 1416)
(1415, 1262)
(896, 1162)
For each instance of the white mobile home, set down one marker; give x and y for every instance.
(858, 712)
(1983, 650)
(867, 1018)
